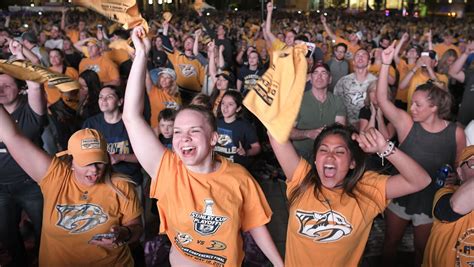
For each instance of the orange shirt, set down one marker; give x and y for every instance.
(333, 230)
(159, 100)
(73, 34)
(104, 67)
(403, 68)
(420, 78)
(450, 243)
(204, 214)
(190, 73)
(54, 94)
(70, 220)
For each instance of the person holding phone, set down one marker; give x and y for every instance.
(89, 212)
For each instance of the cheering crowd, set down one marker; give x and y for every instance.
(384, 125)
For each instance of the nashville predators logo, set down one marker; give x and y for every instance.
(187, 70)
(80, 218)
(323, 227)
(224, 140)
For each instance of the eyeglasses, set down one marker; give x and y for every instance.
(470, 163)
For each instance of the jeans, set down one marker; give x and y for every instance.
(15, 197)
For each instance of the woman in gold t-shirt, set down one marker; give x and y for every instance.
(89, 213)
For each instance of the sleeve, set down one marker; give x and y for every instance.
(113, 71)
(130, 206)
(339, 87)
(341, 108)
(158, 183)
(278, 45)
(442, 209)
(365, 113)
(256, 210)
(55, 175)
(301, 171)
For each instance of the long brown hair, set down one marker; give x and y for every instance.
(312, 180)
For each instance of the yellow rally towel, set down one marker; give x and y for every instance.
(25, 70)
(125, 11)
(276, 98)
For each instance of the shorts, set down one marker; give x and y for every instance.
(416, 219)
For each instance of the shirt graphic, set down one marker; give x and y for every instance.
(207, 223)
(80, 218)
(329, 226)
(187, 70)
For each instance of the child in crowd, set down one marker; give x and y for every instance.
(164, 131)
(237, 137)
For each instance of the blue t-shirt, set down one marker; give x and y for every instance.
(117, 143)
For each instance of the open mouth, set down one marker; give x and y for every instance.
(188, 150)
(329, 170)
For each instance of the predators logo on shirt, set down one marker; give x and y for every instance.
(80, 218)
(188, 70)
(207, 223)
(323, 227)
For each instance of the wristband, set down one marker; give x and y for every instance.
(389, 151)
(386, 64)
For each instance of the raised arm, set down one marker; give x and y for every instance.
(197, 34)
(456, 70)
(328, 30)
(404, 38)
(146, 146)
(399, 118)
(286, 156)
(32, 159)
(36, 98)
(270, 37)
(412, 177)
(462, 201)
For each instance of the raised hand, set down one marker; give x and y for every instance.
(405, 37)
(197, 33)
(470, 47)
(211, 46)
(269, 6)
(323, 19)
(388, 54)
(140, 40)
(371, 141)
(241, 150)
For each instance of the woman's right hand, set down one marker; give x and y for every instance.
(388, 54)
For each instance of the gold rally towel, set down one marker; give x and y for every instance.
(124, 11)
(25, 70)
(276, 98)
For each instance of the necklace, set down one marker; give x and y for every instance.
(84, 195)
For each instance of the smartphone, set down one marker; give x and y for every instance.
(99, 26)
(99, 237)
(311, 48)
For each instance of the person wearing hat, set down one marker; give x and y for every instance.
(452, 235)
(320, 101)
(422, 72)
(106, 69)
(224, 81)
(17, 189)
(90, 213)
(162, 91)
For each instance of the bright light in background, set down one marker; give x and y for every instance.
(236, 9)
(32, 4)
(450, 1)
(169, 1)
(299, 11)
(416, 15)
(40, 13)
(207, 14)
(387, 13)
(26, 25)
(150, 2)
(160, 2)
(325, 14)
(317, 11)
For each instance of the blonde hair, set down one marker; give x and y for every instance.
(173, 90)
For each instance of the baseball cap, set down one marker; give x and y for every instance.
(320, 64)
(168, 71)
(359, 35)
(227, 75)
(87, 146)
(466, 153)
(91, 41)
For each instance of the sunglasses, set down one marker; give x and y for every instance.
(470, 163)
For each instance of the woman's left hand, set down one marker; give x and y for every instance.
(241, 150)
(371, 141)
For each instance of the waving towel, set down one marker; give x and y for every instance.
(25, 70)
(125, 11)
(276, 98)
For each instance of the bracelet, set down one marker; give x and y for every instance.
(386, 64)
(413, 71)
(389, 151)
(129, 234)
